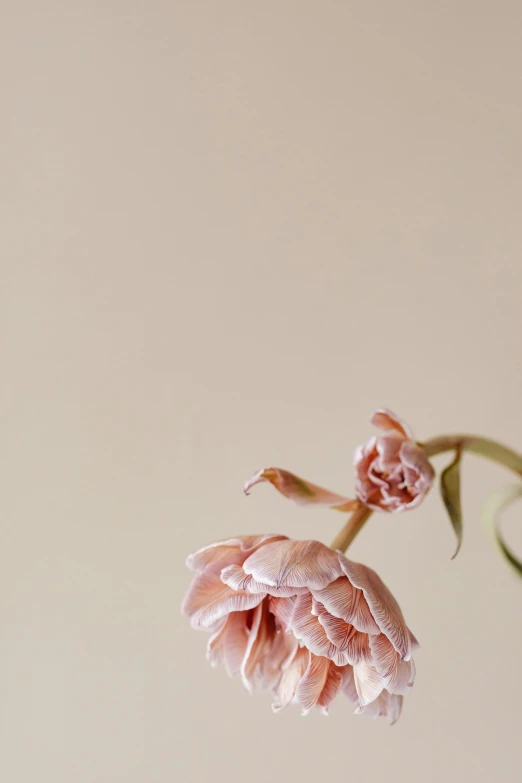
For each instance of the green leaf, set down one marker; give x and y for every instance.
(496, 503)
(450, 491)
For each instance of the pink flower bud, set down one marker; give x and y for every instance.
(392, 471)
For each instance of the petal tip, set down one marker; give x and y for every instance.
(247, 685)
(255, 479)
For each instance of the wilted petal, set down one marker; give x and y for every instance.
(228, 645)
(290, 679)
(283, 649)
(348, 684)
(332, 686)
(312, 683)
(283, 610)
(358, 649)
(386, 420)
(216, 556)
(377, 708)
(294, 564)
(256, 637)
(368, 683)
(383, 606)
(386, 706)
(362, 618)
(398, 675)
(268, 651)
(385, 656)
(402, 678)
(208, 600)
(256, 662)
(235, 577)
(302, 492)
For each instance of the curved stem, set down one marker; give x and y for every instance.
(474, 443)
(345, 536)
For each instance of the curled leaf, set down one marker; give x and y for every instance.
(450, 491)
(302, 492)
(496, 503)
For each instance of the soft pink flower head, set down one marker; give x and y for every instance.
(303, 621)
(392, 471)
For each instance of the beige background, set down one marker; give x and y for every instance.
(230, 230)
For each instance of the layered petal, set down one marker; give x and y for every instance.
(316, 685)
(230, 551)
(294, 615)
(235, 577)
(208, 600)
(369, 684)
(398, 675)
(386, 705)
(403, 678)
(383, 606)
(340, 598)
(302, 492)
(283, 649)
(362, 617)
(348, 684)
(228, 645)
(253, 670)
(307, 628)
(283, 610)
(332, 686)
(345, 601)
(268, 651)
(347, 640)
(290, 678)
(294, 564)
(385, 656)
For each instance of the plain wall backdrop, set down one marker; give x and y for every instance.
(230, 230)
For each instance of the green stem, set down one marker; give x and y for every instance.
(474, 443)
(344, 537)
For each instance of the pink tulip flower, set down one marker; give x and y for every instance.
(303, 621)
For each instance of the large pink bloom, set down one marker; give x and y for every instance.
(392, 470)
(303, 621)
